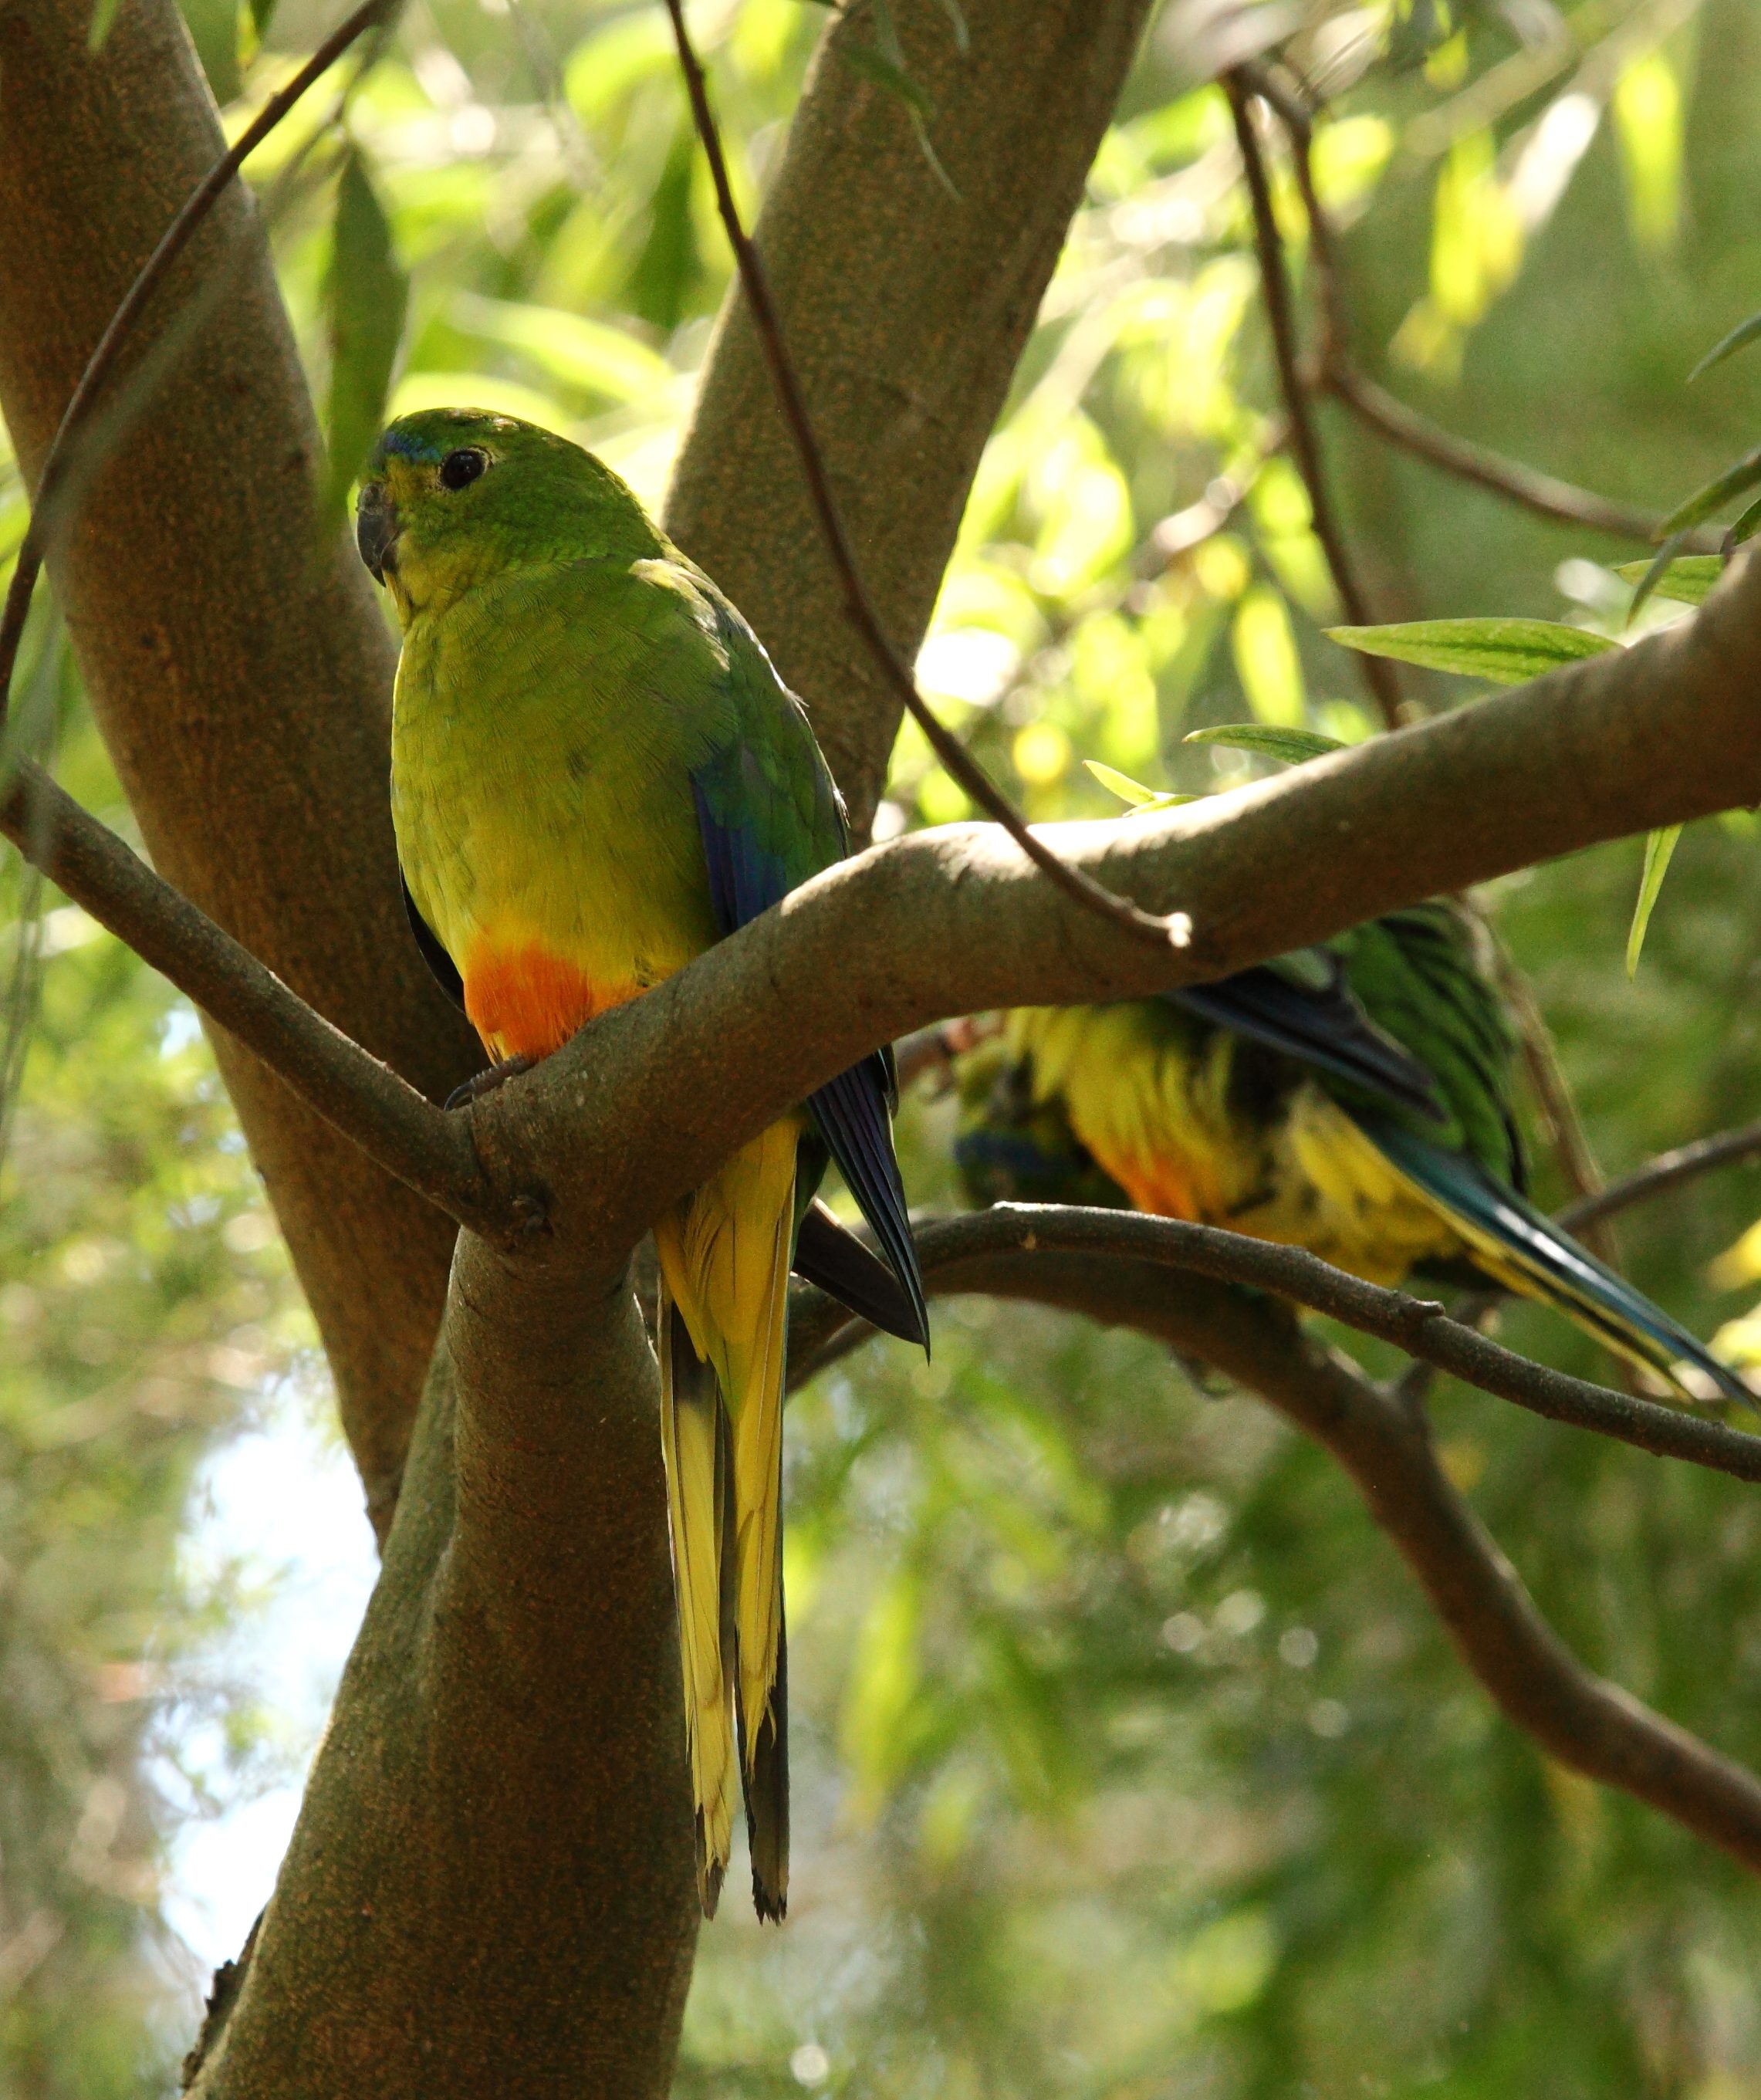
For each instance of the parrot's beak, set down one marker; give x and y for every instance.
(376, 529)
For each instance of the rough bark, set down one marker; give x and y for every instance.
(241, 680)
(491, 1888)
(905, 310)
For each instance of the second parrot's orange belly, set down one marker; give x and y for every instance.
(527, 1001)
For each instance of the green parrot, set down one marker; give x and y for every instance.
(1353, 1099)
(596, 774)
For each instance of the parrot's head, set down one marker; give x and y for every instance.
(453, 497)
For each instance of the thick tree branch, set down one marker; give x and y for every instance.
(648, 1100)
(1579, 1720)
(943, 922)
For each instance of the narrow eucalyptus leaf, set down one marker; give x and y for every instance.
(1740, 338)
(366, 293)
(1291, 746)
(1654, 573)
(1143, 801)
(262, 14)
(1658, 848)
(1735, 481)
(876, 66)
(1688, 579)
(1507, 652)
(1744, 528)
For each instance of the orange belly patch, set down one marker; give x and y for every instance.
(526, 1002)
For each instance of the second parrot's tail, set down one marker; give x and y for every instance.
(1527, 1252)
(724, 1262)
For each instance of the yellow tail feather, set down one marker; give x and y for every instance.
(724, 1257)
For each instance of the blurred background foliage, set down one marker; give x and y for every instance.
(1130, 1762)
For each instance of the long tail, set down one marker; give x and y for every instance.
(724, 1261)
(1527, 1253)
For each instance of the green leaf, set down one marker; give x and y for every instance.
(1291, 746)
(1507, 652)
(214, 28)
(1736, 480)
(104, 15)
(1740, 338)
(1654, 572)
(366, 292)
(1146, 800)
(581, 352)
(1746, 526)
(1687, 578)
(875, 65)
(1658, 848)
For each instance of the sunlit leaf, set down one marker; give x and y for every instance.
(587, 354)
(1735, 481)
(366, 294)
(1687, 578)
(1141, 799)
(1291, 746)
(1659, 846)
(1266, 660)
(1740, 338)
(1506, 652)
(1647, 125)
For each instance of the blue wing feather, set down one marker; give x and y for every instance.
(852, 1110)
(1558, 1267)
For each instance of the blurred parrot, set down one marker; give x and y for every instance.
(596, 774)
(1353, 1099)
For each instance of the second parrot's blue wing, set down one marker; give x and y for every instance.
(748, 875)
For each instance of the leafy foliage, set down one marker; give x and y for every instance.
(1130, 1762)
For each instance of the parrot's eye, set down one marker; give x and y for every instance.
(459, 470)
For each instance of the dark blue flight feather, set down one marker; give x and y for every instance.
(852, 1111)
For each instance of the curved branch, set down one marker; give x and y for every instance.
(1545, 494)
(1418, 1325)
(1578, 1718)
(1669, 1170)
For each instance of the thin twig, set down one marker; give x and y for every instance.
(1544, 494)
(1334, 369)
(1377, 673)
(1421, 1327)
(1669, 1170)
(1175, 930)
(78, 413)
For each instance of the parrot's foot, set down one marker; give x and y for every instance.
(486, 1082)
